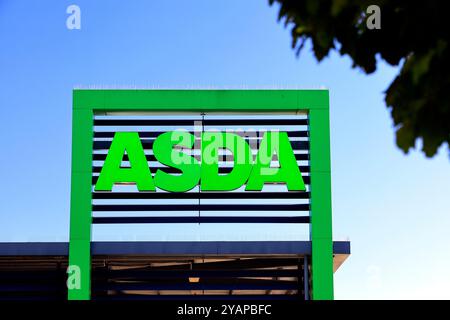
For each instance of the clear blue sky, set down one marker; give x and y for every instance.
(394, 208)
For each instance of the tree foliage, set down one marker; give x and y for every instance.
(413, 35)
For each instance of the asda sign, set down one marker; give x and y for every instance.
(171, 150)
(221, 157)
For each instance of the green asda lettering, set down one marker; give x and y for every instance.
(168, 150)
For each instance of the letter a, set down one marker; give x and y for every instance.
(374, 19)
(74, 20)
(288, 171)
(138, 173)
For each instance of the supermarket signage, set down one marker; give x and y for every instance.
(169, 149)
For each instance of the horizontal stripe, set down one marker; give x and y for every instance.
(306, 180)
(209, 122)
(127, 220)
(148, 144)
(151, 157)
(201, 207)
(200, 195)
(222, 170)
(246, 134)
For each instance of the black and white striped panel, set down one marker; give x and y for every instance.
(274, 204)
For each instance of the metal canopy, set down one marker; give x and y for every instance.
(239, 270)
(171, 248)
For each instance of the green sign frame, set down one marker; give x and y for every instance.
(86, 103)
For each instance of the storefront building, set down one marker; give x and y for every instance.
(174, 157)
